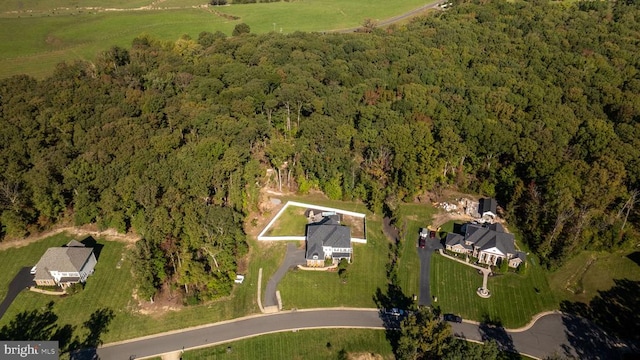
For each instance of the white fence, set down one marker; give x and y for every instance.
(262, 237)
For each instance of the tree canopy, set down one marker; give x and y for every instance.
(535, 103)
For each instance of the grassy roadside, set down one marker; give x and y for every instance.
(303, 344)
(514, 300)
(112, 288)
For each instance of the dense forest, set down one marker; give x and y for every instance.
(535, 103)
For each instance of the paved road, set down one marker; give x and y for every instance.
(241, 328)
(293, 257)
(551, 334)
(425, 270)
(21, 281)
(394, 19)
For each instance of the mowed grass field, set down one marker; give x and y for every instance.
(303, 344)
(113, 288)
(366, 273)
(583, 276)
(514, 300)
(33, 42)
(414, 217)
(291, 222)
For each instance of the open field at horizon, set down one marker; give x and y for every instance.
(33, 43)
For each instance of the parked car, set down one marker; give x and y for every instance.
(394, 312)
(421, 242)
(432, 234)
(452, 318)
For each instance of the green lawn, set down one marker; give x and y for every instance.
(590, 272)
(414, 217)
(33, 43)
(113, 288)
(311, 289)
(514, 298)
(303, 344)
(290, 223)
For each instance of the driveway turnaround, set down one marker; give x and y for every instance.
(425, 270)
(551, 334)
(293, 258)
(21, 281)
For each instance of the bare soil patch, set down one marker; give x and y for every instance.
(165, 300)
(356, 224)
(85, 230)
(364, 356)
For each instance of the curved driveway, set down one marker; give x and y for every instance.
(293, 258)
(548, 336)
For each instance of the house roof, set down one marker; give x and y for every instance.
(487, 205)
(74, 243)
(72, 279)
(326, 233)
(485, 238)
(453, 239)
(62, 259)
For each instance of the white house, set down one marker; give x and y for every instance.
(328, 239)
(66, 265)
(490, 244)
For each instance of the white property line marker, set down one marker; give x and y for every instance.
(262, 237)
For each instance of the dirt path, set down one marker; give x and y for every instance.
(88, 230)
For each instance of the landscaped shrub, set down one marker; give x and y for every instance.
(49, 288)
(74, 288)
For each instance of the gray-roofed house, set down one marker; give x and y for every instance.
(489, 244)
(487, 209)
(518, 259)
(65, 265)
(328, 239)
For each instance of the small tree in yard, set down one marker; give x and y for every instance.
(503, 266)
(240, 29)
(342, 270)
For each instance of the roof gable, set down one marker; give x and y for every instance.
(62, 259)
(485, 238)
(327, 234)
(487, 205)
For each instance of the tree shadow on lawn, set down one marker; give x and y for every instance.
(42, 324)
(492, 329)
(635, 257)
(614, 311)
(393, 298)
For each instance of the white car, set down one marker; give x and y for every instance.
(33, 270)
(239, 279)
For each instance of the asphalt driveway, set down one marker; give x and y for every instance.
(425, 269)
(294, 257)
(21, 281)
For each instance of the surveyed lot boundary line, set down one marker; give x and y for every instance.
(262, 237)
